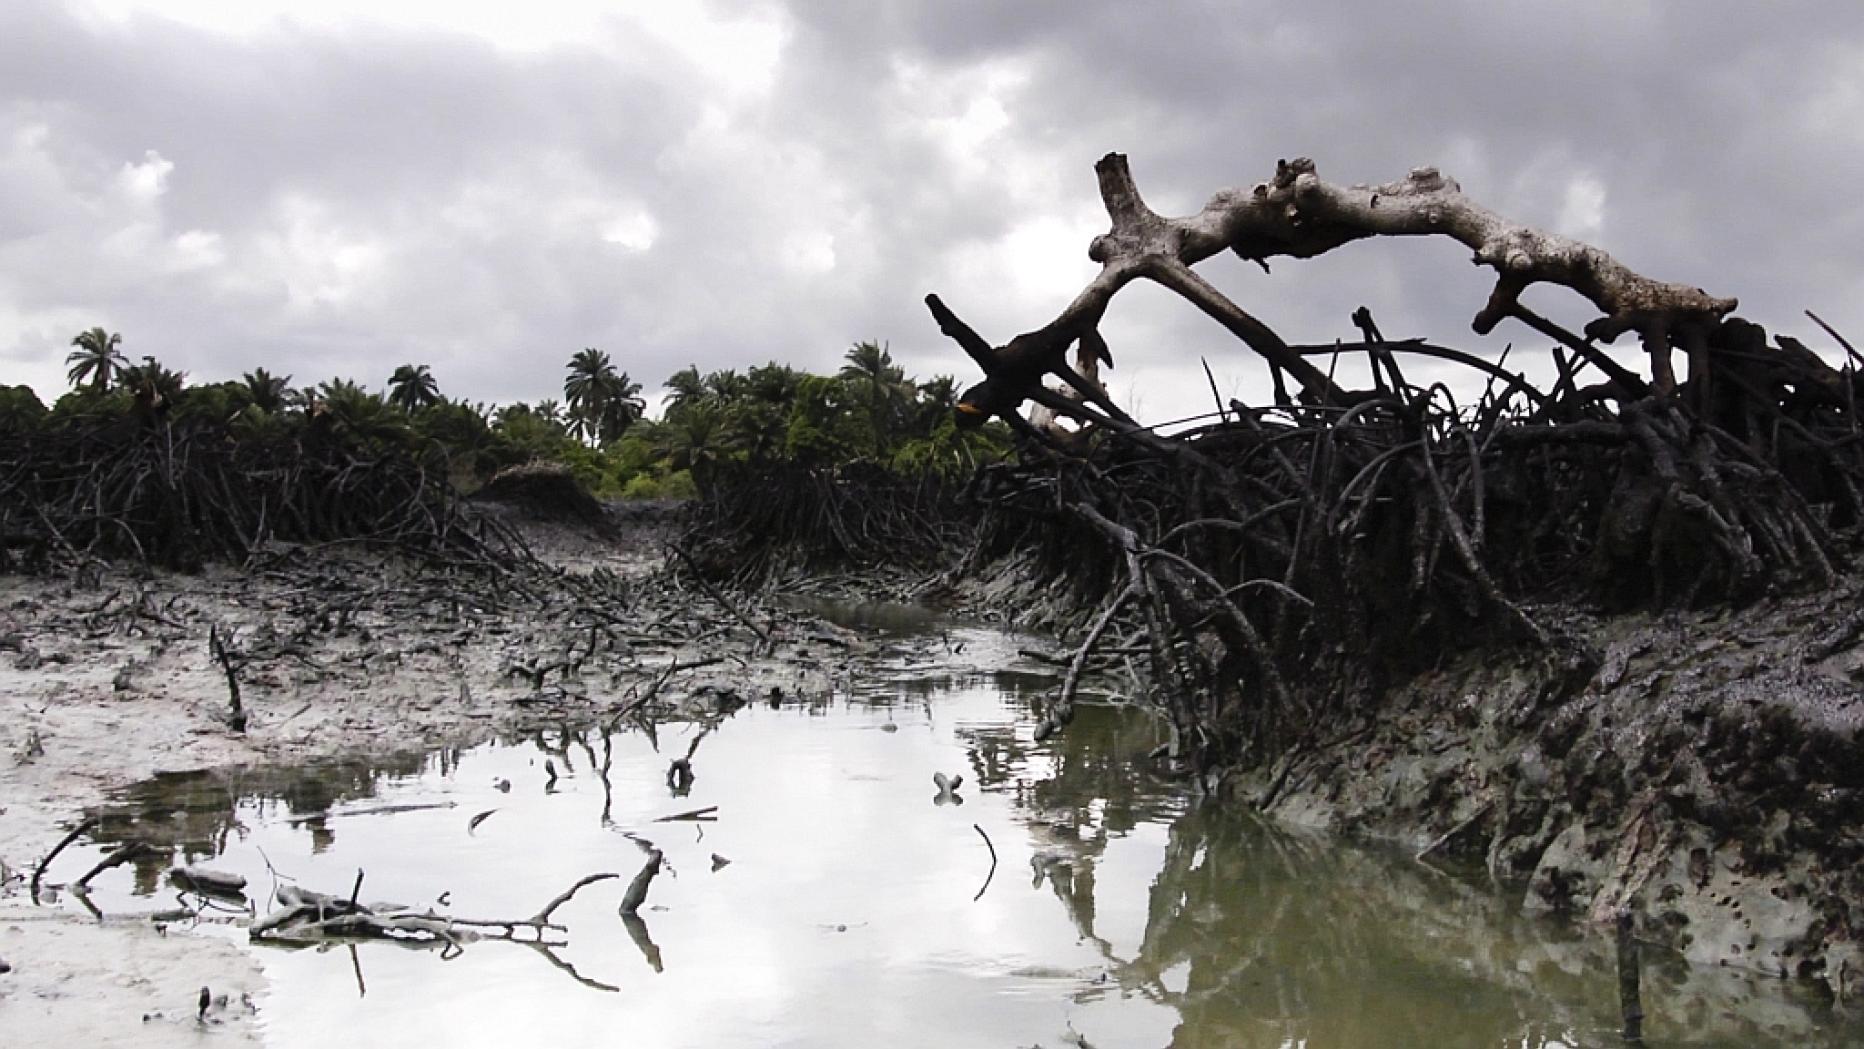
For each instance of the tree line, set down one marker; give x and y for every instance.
(869, 412)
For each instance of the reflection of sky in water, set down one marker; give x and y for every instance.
(846, 917)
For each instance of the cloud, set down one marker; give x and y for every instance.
(335, 189)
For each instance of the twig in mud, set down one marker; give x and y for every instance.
(993, 862)
(76, 832)
(693, 814)
(653, 687)
(219, 647)
(1453, 833)
(713, 593)
(1042, 657)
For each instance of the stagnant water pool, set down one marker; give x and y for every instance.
(834, 900)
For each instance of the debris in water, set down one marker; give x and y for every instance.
(208, 882)
(947, 789)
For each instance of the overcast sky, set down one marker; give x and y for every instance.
(335, 187)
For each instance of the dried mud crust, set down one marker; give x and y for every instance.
(106, 679)
(1709, 777)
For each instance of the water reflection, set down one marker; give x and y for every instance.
(819, 900)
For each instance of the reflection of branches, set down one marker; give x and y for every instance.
(637, 931)
(560, 749)
(602, 772)
(1073, 885)
(544, 951)
(680, 772)
(314, 918)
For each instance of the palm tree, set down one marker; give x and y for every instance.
(585, 391)
(936, 400)
(603, 403)
(548, 410)
(696, 440)
(359, 413)
(871, 373)
(265, 391)
(622, 407)
(773, 384)
(412, 387)
(684, 387)
(95, 358)
(152, 379)
(726, 385)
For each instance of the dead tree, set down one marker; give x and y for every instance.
(1280, 567)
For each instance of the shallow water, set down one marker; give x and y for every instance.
(857, 911)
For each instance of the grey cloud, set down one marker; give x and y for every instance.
(1721, 135)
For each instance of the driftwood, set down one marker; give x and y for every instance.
(307, 916)
(1279, 566)
(209, 882)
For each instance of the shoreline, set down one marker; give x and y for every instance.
(110, 681)
(1698, 779)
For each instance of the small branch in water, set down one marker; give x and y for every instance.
(121, 855)
(708, 814)
(637, 889)
(374, 810)
(543, 916)
(76, 832)
(993, 862)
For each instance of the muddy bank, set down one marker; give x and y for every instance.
(1709, 778)
(109, 678)
(1707, 775)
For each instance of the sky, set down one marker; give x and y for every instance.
(334, 188)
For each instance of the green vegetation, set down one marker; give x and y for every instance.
(768, 420)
